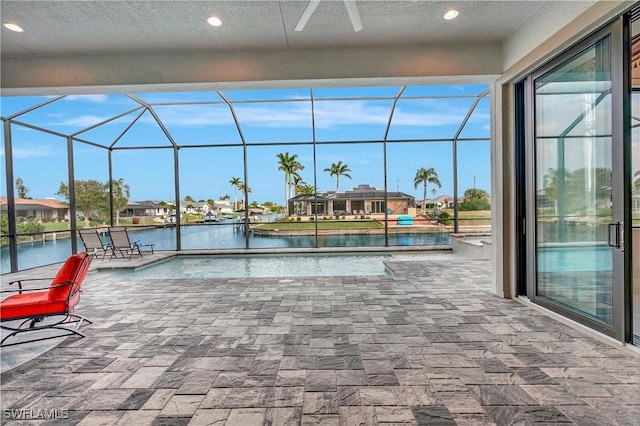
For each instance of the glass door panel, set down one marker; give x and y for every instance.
(575, 227)
(635, 205)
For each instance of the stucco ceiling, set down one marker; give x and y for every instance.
(90, 27)
(107, 45)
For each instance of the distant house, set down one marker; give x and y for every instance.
(194, 207)
(44, 210)
(223, 206)
(363, 199)
(442, 201)
(143, 208)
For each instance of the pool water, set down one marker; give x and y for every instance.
(575, 258)
(263, 266)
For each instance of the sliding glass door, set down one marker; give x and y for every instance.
(575, 181)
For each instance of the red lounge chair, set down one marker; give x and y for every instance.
(35, 306)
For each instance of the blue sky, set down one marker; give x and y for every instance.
(359, 116)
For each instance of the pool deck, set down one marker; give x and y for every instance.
(428, 345)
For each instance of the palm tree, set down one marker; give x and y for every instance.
(305, 189)
(290, 165)
(121, 194)
(235, 182)
(244, 189)
(426, 176)
(338, 169)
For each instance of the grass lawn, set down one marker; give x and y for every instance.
(472, 217)
(56, 226)
(285, 226)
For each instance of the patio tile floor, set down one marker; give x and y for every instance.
(428, 345)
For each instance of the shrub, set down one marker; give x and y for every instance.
(440, 217)
(474, 204)
(29, 227)
(299, 219)
(136, 221)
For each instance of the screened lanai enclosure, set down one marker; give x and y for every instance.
(356, 167)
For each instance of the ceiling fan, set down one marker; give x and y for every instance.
(352, 10)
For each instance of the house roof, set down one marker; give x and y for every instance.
(142, 204)
(364, 191)
(25, 204)
(440, 199)
(360, 192)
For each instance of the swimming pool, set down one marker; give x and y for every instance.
(217, 237)
(256, 266)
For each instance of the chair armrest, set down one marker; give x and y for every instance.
(19, 290)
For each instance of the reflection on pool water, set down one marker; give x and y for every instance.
(574, 258)
(262, 266)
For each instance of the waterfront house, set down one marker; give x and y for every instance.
(45, 210)
(194, 207)
(442, 201)
(143, 208)
(361, 200)
(222, 206)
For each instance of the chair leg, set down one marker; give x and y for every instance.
(69, 318)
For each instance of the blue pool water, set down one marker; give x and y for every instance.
(215, 236)
(262, 266)
(575, 258)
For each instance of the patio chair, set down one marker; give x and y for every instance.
(50, 308)
(121, 244)
(92, 242)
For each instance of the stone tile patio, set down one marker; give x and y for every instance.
(428, 345)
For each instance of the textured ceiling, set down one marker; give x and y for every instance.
(93, 27)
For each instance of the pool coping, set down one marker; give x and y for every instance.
(149, 259)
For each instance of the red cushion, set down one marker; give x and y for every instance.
(68, 273)
(33, 304)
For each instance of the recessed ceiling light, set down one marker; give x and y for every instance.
(13, 27)
(214, 21)
(451, 14)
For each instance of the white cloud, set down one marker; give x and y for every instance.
(32, 152)
(328, 114)
(88, 98)
(81, 122)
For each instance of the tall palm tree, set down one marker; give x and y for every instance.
(290, 165)
(424, 177)
(235, 182)
(243, 188)
(338, 169)
(121, 194)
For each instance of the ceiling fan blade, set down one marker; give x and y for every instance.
(354, 15)
(311, 7)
